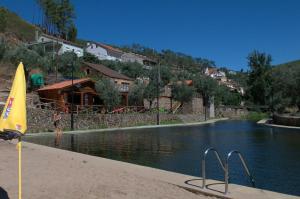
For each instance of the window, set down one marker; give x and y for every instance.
(124, 86)
(87, 71)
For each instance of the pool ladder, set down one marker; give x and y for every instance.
(225, 167)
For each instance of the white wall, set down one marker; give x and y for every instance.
(65, 47)
(99, 52)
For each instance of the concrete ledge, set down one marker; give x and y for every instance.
(266, 122)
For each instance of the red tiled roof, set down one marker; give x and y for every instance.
(64, 84)
(109, 47)
(107, 71)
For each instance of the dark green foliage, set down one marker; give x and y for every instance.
(59, 18)
(175, 60)
(29, 58)
(285, 86)
(240, 78)
(224, 96)
(132, 69)
(65, 63)
(88, 57)
(72, 33)
(163, 71)
(3, 21)
(2, 50)
(150, 92)
(136, 95)
(205, 85)
(182, 92)
(108, 93)
(259, 82)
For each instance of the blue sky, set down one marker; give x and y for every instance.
(225, 31)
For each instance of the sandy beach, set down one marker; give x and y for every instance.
(53, 173)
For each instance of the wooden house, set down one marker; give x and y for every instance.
(60, 94)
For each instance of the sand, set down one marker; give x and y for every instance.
(54, 173)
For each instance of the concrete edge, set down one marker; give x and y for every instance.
(131, 128)
(266, 120)
(178, 179)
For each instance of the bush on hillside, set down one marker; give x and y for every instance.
(3, 22)
(2, 50)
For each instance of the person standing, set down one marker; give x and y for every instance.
(57, 125)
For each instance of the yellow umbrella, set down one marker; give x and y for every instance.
(13, 122)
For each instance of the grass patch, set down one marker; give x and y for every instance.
(177, 121)
(256, 116)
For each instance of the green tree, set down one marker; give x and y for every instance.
(225, 96)
(150, 93)
(285, 87)
(58, 17)
(72, 33)
(88, 57)
(182, 92)
(29, 58)
(136, 95)
(132, 69)
(259, 82)
(65, 63)
(108, 93)
(207, 87)
(3, 20)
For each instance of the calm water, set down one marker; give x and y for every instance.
(273, 154)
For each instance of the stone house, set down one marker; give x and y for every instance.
(122, 82)
(143, 60)
(195, 106)
(56, 44)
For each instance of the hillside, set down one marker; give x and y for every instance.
(292, 64)
(12, 24)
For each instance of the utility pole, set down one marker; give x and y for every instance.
(72, 102)
(158, 92)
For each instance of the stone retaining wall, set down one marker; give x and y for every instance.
(231, 112)
(40, 120)
(286, 120)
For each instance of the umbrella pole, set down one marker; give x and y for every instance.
(20, 167)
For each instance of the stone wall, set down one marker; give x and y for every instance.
(41, 120)
(286, 120)
(195, 106)
(231, 112)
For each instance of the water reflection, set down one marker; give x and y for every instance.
(273, 154)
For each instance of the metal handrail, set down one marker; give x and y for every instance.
(227, 169)
(204, 163)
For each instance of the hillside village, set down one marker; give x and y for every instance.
(55, 88)
(115, 79)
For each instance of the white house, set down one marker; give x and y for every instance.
(106, 52)
(61, 45)
(214, 73)
(103, 51)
